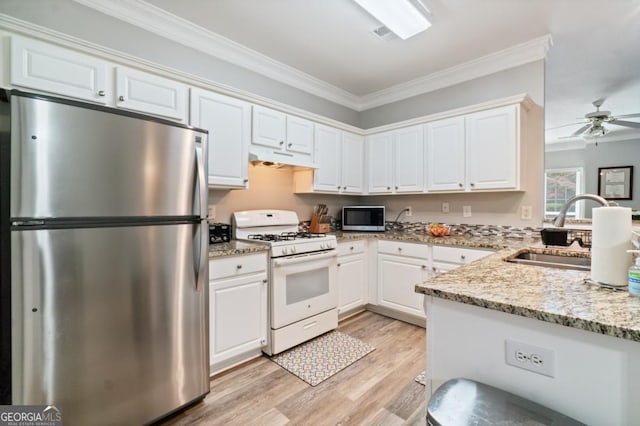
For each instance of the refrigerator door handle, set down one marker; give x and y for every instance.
(202, 180)
(200, 257)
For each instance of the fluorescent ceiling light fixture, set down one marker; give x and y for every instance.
(400, 16)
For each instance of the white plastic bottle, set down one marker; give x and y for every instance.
(634, 274)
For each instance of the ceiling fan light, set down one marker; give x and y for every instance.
(596, 132)
(400, 16)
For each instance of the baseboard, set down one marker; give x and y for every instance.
(402, 316)
(222, 366)
(351, 312)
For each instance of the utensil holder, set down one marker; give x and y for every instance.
(319, 228)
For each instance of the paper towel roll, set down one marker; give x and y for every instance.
(611, 238)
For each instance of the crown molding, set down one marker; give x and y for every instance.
(165, 24)
(158, 21)
(520, 54)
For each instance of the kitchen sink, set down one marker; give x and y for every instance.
(551, 260)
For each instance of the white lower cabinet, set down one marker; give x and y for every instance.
(352, 275)
(400, 267)
(237, 309)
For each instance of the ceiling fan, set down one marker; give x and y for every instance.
(594, 124)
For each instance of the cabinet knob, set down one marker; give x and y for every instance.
(388, 188)
(289, 145)
(121, 98)
(101, 93)
(433, 268)
(472, 184)
(281, 143)
(344, 187)
(399, 248)
(264, 281)
(245, 180)
(238, 266)
(424, 266)
(351, 248)
(263, 341)
(339, 264)
(463, 257)
(338, 187)
(460, 185)
(396, 187)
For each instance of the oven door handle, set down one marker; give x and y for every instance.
(305, 258)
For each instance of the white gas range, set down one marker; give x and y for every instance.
(303, 295)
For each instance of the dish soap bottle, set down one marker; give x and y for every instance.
(634, 274)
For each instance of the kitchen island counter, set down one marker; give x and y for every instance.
(546, 294)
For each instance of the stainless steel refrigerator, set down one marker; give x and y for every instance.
(103, 256)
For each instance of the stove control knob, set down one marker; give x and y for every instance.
(293, 249)
(284, 250)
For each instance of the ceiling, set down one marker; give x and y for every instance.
(595, 49)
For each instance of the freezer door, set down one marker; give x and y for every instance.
(111, 324)
(71, 161)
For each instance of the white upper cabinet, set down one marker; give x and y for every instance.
(380, 162)
(299, 135)
(269, 127)
(228, 121)
(352, 163)
(49, 68)
(409, 160)
(280, 137)
(339, 161)
(444, 155)
(396, 161)
(492, 149)
(327, 177)
(478, 151)
(151, 94)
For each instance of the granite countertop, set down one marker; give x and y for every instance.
(547, 294)
(235, 247)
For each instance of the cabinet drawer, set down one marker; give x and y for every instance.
(404, 249)
(457, 254)
(351, 247)
(237, 265)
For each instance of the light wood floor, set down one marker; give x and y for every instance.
(379, 389)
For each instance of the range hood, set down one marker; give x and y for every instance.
(270, 158)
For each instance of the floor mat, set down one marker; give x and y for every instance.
(322, 357)
(420, 379)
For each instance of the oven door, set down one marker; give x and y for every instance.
(303, 286)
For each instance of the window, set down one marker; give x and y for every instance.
(560, 185)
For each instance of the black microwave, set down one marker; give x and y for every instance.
(363, 218)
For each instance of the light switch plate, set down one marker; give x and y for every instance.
(445, 207)
(212, 212)
(466, 211)
(525, 213)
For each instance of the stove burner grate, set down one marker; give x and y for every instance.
(285, 236)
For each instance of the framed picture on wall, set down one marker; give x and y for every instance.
(615, 183)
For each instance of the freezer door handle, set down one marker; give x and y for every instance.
(202, 179)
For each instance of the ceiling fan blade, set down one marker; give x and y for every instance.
(637, 114)
(581, 130)
(625, 123)
(565, 125)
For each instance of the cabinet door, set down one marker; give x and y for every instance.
(228, 121)
(327, 157)
(492, 149)
(269, 127)
(352, 163)
(237, 316)
(409, 160)
(299, 135)
(445, 156)
(380, 162)
(397, 278)
(150, 94)
(352, 282)
(53, 69)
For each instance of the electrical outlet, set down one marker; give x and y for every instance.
(525, 213)
(407, 211)
(445, 207)
(466, 211)
(212, 212)
(530, 357)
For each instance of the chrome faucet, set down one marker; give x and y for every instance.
(559, 220)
